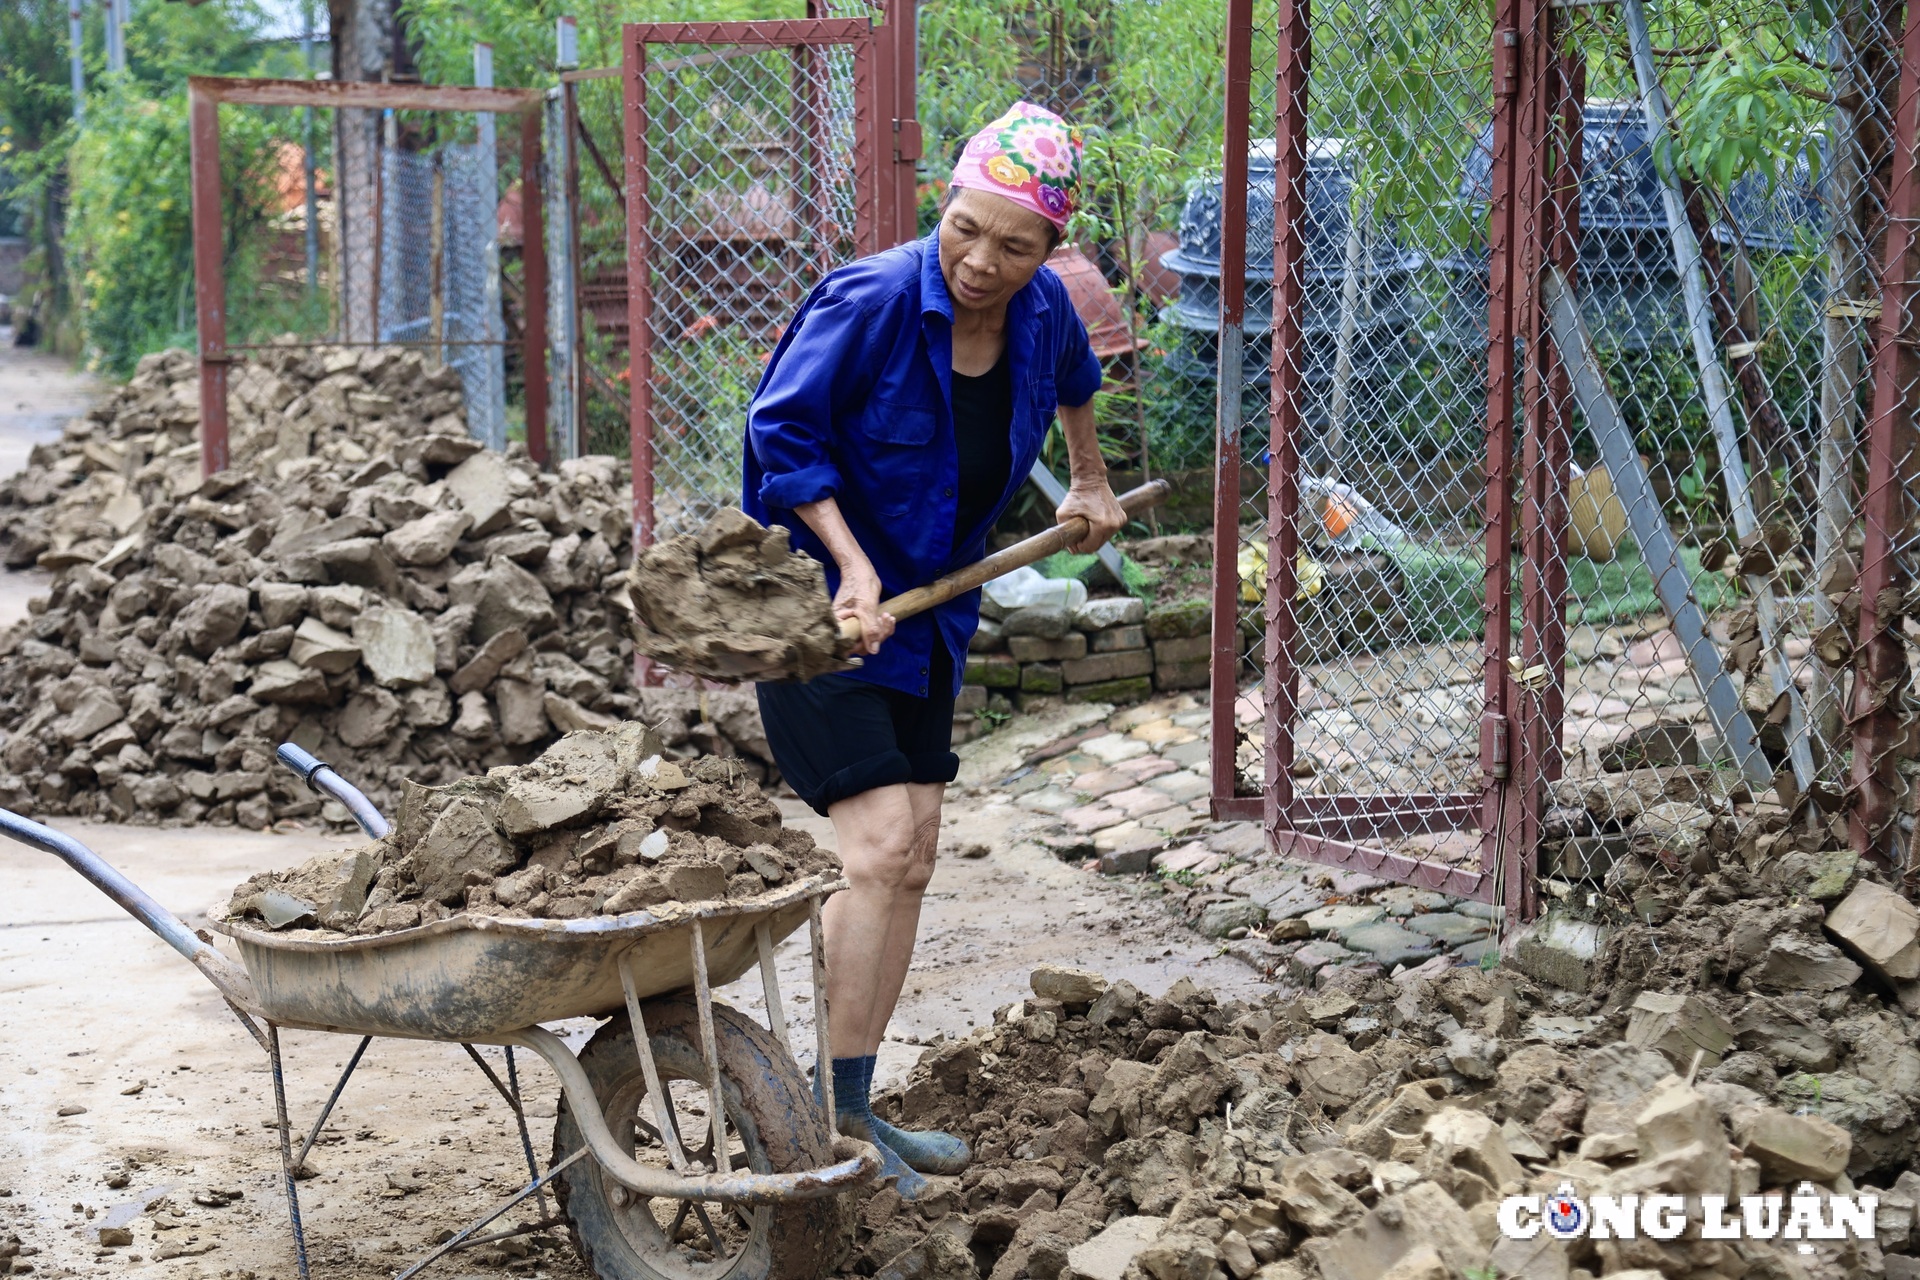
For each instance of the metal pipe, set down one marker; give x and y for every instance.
(1713, 382)
(1848, 282)
(649, 1069)
(737, 1188)
(321, 777)
(307, 160)
(493, 412)
(76, 67)
(1223, 669)
(116, 37)
(1876, 708)
(1649, 524)
(228, 977)
(1293, 62)
(209, 275)
(770, 983)
(533, 266)
(710, 1046)
(286, 1148)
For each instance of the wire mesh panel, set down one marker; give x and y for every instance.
(1875, 136)
(1711, 305)
(426, 234)
(750, 174)
(442, 289)
(1361, 573)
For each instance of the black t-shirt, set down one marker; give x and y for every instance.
(983, 437)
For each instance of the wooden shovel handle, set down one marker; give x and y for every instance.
(1026, 551)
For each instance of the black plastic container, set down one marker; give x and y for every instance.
(1630, 292)
(1385, 272)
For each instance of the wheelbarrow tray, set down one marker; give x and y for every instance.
(476, 978)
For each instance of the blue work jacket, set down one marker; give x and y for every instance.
(857, 404)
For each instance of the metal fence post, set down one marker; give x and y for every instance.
(562, 334)
(209, 277)
(903, 51)
(639, 293)
(495, 410)
(1224, 671)
(1292, 67)
(1503, 265)
(1535, 726)
(533, 262)
(1880, 664)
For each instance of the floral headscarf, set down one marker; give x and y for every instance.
(1031, 157)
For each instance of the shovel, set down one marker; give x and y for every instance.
(1005, 560)
(734, 602)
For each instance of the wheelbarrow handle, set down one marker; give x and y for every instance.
(131, 898)
(321, 777)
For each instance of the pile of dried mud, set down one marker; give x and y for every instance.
(601, 824)
(365, 580)
(734, 602)
(1752, 1042)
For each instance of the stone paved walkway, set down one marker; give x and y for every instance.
(1125, 795)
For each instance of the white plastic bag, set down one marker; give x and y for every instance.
(1028, 586)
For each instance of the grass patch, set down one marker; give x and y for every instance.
(1621, 590)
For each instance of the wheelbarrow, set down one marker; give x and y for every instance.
(686, 1142)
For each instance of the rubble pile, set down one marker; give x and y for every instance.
(1370, 1130)
(366, 581)
(599, 824)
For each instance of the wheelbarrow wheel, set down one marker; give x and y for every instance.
(773, 1126)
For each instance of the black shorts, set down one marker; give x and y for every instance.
(835, 736)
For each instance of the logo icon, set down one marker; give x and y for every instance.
(1566, 1213)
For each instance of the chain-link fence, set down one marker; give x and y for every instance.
(443, 289)
(1586, 484)
(422, 236)
(1357, 709)
(753, 172)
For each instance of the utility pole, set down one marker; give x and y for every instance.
(76, 66)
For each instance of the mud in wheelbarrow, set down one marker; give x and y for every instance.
(653, 1178)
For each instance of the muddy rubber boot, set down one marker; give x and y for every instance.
(924, 1150)
(854, 1118)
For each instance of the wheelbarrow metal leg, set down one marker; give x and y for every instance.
(710, 1046)
(662, 1104)
(313, 1136)
(770, 982)
(823, 1050)
(526, 1138)
(286, 1147)
(509, 1089)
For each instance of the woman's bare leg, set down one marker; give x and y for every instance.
(875, 831)
(904, 928)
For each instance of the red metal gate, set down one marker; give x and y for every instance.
(757, 160)
(1389, 733)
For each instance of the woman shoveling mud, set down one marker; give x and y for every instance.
(897, 418)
